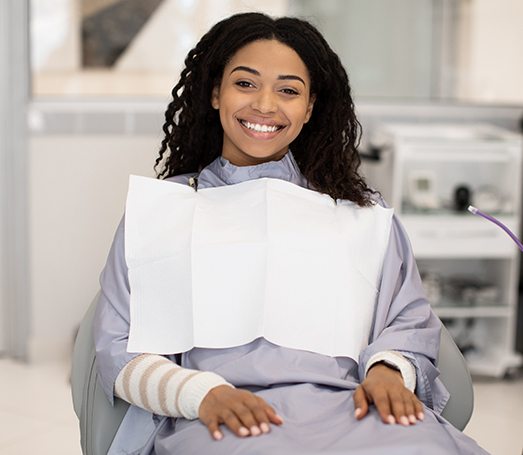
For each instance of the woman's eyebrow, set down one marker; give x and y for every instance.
(283, 77)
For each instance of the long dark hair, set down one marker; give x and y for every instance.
(326, 148)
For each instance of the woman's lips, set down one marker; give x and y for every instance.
(261, 130)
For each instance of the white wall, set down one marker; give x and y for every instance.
(77, 194)
(491, 64)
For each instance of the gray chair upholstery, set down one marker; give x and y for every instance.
(99, 421)
(456, 376)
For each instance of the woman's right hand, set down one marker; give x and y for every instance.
(243, 412)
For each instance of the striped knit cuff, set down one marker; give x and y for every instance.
(197, 386)
(158, 385)
(396, 360)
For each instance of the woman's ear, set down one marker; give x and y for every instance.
(310, 107)
(215, 97)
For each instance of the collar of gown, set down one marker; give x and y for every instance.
(229, 174)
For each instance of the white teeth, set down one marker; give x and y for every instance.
(260, 128)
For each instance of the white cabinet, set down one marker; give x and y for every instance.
(469, 265)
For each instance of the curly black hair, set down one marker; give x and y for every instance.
(326, 148)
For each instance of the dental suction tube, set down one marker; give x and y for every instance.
(478, 212)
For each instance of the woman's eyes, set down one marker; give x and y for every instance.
(244, 84)
(289, 91)
(286, 91)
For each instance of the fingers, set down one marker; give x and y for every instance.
(235, 423)
(213, 428)
(383, 405)
(252, 415)
(261, 418)
(273, 416)
(265, 414)
(244, 413)
(402, 407)
(409, 416)
(406, 408)
(384, 387)
(361, 404)
(214, 413)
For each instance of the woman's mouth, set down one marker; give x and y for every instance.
(259, 128)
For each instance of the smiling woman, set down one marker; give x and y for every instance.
(264, 100)
(264, 110)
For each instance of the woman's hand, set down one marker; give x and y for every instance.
(243, 412)
(384, 387)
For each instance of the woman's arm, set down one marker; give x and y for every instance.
(404, 323)
(156, 383)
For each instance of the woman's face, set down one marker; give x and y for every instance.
(264, 100)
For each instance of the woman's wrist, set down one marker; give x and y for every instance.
(395, 360)
(162, 387)
(195, 390)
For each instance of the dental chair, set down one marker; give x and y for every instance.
(99, 421)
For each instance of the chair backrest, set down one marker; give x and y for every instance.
(456, 376)
(99, 421)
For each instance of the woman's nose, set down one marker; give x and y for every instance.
(265, 102)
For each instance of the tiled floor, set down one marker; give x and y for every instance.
(36, 414)
(497, 421)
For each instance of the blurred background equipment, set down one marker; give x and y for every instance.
(468, 265)
(462, 198)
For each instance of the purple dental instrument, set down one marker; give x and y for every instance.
(476, 211)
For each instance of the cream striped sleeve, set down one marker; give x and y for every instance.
(158, 385)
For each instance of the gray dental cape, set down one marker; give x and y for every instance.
(312, 392)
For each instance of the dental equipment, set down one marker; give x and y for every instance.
(478, 212)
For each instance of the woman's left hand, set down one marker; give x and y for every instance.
(384, 387)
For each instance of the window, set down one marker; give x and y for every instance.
(131, 48)
(417, 50)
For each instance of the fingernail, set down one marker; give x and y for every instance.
(391, 419)
(280, 418)
(357, 412)
(264, 427)
(412, 418)
(243, 431)
(421, 416)
(404, 421)
(217, 435)
(255, 431)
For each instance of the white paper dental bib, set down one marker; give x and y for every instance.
(219, 267)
